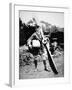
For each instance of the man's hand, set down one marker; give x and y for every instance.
(30, 45)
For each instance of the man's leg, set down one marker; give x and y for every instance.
(44, 62)
(35, 62)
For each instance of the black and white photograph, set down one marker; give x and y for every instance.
(41, 44)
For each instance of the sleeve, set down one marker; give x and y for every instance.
(30, 40)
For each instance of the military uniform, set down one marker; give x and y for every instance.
(37, 48)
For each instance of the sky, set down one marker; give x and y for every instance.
(54, 18)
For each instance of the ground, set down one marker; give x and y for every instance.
(28, 71)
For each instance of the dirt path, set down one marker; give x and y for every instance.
(28, 71)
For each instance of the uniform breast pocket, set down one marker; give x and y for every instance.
(36, 43)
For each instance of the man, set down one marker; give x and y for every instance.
(36, 47)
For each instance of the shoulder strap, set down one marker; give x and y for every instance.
(38, 36)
